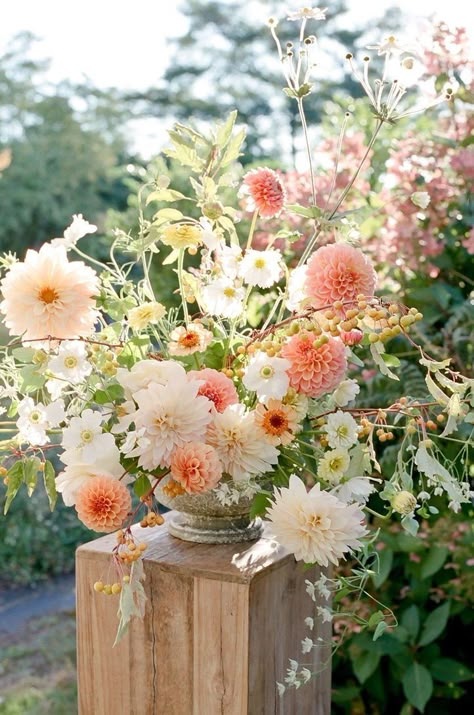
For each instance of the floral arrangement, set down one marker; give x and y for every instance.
(248, 387)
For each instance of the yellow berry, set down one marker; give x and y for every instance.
(142, 547)
(373, 338)
(116, 588)
(107, 589)
(126, 579)
(98, 586)
(440, 418)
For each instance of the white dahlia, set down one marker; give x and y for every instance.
(342, 430)
(168, 416)
(145, 372)
(47, 295)
(240, 444)
(316, 526)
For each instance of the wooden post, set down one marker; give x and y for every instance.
(221, 623)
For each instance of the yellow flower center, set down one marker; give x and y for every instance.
(189, 340)
(266, 372)
(259, 263)
(70, 362)
(335, 464)
(87, 436)
(48, 295)
(229, 292)
(35, 417)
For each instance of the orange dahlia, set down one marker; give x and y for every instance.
(338, 272)
(103, 503)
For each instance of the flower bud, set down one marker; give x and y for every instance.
(213, 210)
(351, 337)
(403, 502)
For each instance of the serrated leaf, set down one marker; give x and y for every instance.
(50, 484)
(377, 351)
(15, 479)
(417, 686)
(165, 195)
(433, 561)
(448, 670)
(233, 148)
(435, 624)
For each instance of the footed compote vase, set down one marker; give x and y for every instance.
(202, 518)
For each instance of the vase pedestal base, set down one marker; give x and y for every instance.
(214, 530)
(221, 622)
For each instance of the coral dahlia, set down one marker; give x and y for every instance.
(314, 371)
(338, 272)
(196, 467)
(103, 503)
(218, 388)
(264, 192)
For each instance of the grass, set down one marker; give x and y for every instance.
(38, 668)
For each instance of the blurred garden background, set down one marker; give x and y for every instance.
(87, 94)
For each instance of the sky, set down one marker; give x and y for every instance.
(124, 44)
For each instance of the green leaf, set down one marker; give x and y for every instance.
(101, 397)
(307, 211)
(433, 561)
(232, 151)
(132, 600)
(410, 620)
(15, 478)
(50, 484)
(365, 664)
(165, 215)
(259, 505)
(447, 670)
(380, 630)
(141, 485)
(435, 624)
(377, 351)
(30, 473)
(165, 195)
(391, 360)
(172, 257)
(346, 694)
(417, 686)
(385, 564)
(410, 524)
(224, 132)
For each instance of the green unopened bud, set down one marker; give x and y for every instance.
(40, 357)
(403, 503)
(213, 210)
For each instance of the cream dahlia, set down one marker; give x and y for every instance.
(338, 272)
(168, 416)
(218, 388)
(314, 371)
(144, 372)
(103, 504)
(241, 448)
(196, 467)
(47, 295)
(315, 525)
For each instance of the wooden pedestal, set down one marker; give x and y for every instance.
(221, 623)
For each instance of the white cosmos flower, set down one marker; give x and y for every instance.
(75, 474)
(35, 419)
(307, 13)
(144, 372)
(391, 44)
(78, 229)
(333, 465)
(345, 392)
(229, 260)
(85, 439)
(239, 443)
(315, 526)
(356, 489)
(168, 416)
(208, 237)
(267, 376)
(296, 289)
(223, 298)
(342, 430)
(70, 365)
(261, 268)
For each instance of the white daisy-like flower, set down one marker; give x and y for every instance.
(70, 365)
(267, 376)
(296, 289)
(356, 489)
(141, 316)
(307, 13)
(229, 258)
(144, 372)
(342, 430)
(78, 229)
(345, 392)
(421, 199)
(239, 443)
(315, 526)
(261, 268)
(208, 237)
(191, 339)
(221, 297)
(84, 437)
(75, 474)
(333, 465)
(391, 44)
(168, 416)
(36, 418)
